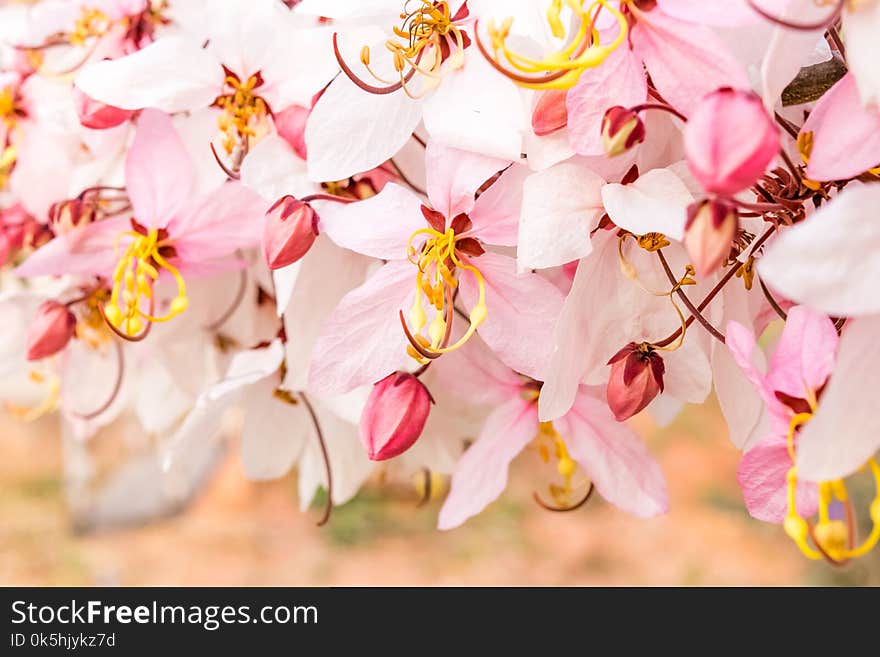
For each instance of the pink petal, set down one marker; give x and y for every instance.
(496, 213)
(379, 227)
(762, 477)
(804, 356)
(846, 134)
(474, 373)
(686, 61)
(88, 250)
(159, 173)
(481, 473)
(522, 313)
(620, 80)
(454, 176)
(845, 431)
(219, 224)
(730, 13)
(656, 202)
(362, 341)
(613, 457)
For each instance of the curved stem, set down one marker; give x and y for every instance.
(234, 175)
(326, 197)
(239, 297)
(773, 303)
(659, 106)
(564, 509)
(117, 385)
(731, 272)
(329, 506)
(715, 333)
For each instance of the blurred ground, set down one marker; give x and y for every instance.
(240, 533)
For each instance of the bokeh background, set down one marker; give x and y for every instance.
(236, 532)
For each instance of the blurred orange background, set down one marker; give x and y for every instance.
(237, 532)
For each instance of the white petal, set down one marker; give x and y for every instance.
(172, 74)
(273, 170)
(475, 109)
(351, 130)
(861, 26)
(845, 431)
(655, 203)
(830, 261)
(561, 205)
(273, 433)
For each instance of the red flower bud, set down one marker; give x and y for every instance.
(50, 330)
(550, 113)
(291, 126)
(709, 232)
(636, 378)
(64, 216)
(729, 141)
(97, 115)
(291, 229)
(394, 416)
(621, 130)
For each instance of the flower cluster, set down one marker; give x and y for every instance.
(416, 237)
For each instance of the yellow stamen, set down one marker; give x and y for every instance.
(417, 48)
(244, 113)
(584, 51)
(91, 23)
(437, 264)
(133, 281)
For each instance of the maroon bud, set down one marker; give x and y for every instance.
(621, 130)
(291, 229)
(636, 379)
(50, 330)
(709, 232)
(394, 416)
(64, 216)
(550, 113)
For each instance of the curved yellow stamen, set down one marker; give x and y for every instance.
(138, 269)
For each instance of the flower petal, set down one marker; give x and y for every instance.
(655, 203)
(561, 205)
(830, 261)
(762, 476)
(614, 458)
(845, 431)
(481, 474)
(454, 176)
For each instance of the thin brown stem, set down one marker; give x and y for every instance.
(687, 302)
(329, 506)
(773, 303)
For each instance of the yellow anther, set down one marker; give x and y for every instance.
(832, 536)
(795, 527)
(437, 262)
(563, 68)
(565, 467)
(244, 113)
(133, 278)
(91, 23)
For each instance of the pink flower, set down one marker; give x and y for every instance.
(621, 130)
(729, 141)
(363, 340)
(794, 379)
(587, 438)
(172, 230)
(291, 229)
(291, 126)
(394, 416)
(50, 330)
(636, 379)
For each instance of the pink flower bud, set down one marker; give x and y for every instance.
(729, 141)
(291, 229)
(621, 130)
(97, 115)
(636, 378)
(709, 232)
(394, 416)
(550, 113)
(50, 330)
(65, 216)
(291, 127)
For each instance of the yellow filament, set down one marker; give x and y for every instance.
(565, 466)
(91, 23)
(566, 59)
(418, 46)
(244, 112)
(434, 278)
(133, 283)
